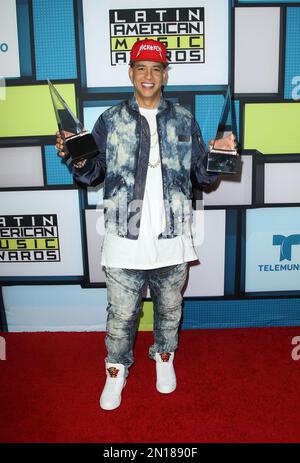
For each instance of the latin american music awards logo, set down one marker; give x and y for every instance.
(181, 30)
(29, 238)
(286, 245)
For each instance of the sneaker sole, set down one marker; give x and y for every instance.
(112, 408)
(166, 392)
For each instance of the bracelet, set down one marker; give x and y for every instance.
(80, 164)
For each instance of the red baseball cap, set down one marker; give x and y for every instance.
(148, 50)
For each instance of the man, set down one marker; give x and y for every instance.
(150, 154)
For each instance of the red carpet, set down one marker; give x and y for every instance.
(234, 385)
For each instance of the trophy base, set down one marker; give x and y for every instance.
(79, 147)
(222, 161)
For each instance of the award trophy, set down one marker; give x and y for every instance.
(223, 160)
(79, 143)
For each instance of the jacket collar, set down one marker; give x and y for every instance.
(132, 103)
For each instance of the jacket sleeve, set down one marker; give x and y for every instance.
(94, 170)
(199, 175)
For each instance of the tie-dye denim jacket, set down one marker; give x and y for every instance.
(123, 138)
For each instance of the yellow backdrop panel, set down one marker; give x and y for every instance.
(28, 111)
(272, 128)
(146, 318)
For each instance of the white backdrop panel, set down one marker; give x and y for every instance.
(24, 227)
(100, 61)
(21, 167)
(95, 195)
(282, 182)
(207, 278)
(91, 114)
(95, 234)
(257, 33)
(55, 308)
(233, 189)
(9, 46)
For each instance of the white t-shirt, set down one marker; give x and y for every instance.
(148, 252)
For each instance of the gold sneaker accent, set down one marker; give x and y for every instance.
(113, 372)
(165, 356)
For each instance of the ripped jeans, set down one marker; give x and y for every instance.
(125, 290)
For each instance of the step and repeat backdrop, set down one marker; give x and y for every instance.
(51, 230)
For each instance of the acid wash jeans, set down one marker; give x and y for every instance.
(125, 290)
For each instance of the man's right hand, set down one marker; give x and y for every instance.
(60, 142)
(60, 145)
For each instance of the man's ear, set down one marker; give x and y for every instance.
(130, 73)
(165, 75)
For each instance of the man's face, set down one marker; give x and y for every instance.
(148, 78)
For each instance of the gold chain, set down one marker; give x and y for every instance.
(156, 163)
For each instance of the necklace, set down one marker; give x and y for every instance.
(153, 139)
(155, 164)
(153, 144)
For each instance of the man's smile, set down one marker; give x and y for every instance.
(146, 85)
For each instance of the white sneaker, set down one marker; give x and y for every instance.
(165, 373)
(115, 381)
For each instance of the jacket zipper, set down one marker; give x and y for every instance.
(140, 148)
(162, 167)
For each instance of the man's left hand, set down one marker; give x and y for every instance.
(226, 143)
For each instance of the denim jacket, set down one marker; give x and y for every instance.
(123, 138)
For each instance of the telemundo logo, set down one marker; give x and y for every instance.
(286, 245)
(3, 47)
